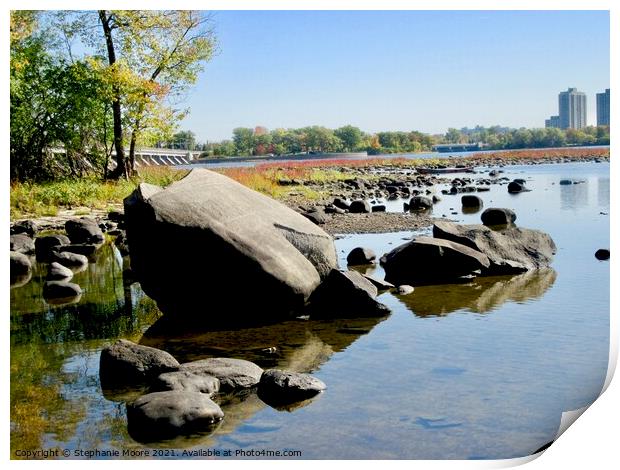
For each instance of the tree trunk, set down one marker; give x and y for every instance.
(121, 166)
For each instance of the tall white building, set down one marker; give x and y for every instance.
(573, 109)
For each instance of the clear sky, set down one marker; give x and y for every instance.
(397, 70)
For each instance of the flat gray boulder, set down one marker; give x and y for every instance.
(128, 363)
(510, 251)
(232, 373)
(69, 260)
(233, 236)
(188, 381)
(280, 386)
(426, 260)
(162, 415)
(346, 294)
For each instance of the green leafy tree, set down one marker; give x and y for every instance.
(350, 136)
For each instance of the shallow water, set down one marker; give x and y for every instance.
(470, 371)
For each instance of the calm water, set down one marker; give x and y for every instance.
(474, 371)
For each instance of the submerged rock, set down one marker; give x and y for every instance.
(426, 260)
(510, 251)
(234, 236)
(360, 256)
(161, 415)
(232, 373)
(345, 294)
(279, 386)
(128, 363)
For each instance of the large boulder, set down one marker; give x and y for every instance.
(232, 373)
(22, 243)
(127, 363)
(420, 203)
(58, 272)
(69, 259)
(346, 294)
(510, 251)
(84, 230)
(360, 206)
(233, 236)
(162, 415)
(426, 260)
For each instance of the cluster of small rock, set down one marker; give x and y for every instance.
(64, 253)
(182, 398)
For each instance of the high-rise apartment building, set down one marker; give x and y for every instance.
(573, 109)
(602, 108)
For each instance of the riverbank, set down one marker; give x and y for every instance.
(308, 187)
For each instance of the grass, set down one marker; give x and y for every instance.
(272, 179)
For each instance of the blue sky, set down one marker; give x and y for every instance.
(397, 70)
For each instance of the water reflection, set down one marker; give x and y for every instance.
(574, 196)
(482, 295)
(603, 191)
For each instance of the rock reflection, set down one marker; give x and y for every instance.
(296, 345)
(482, 295)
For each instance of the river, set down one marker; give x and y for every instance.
(470, 371)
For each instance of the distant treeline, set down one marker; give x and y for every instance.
(317, 139)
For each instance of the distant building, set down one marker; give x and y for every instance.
(553, 121)
(602, 108)
(573, 109)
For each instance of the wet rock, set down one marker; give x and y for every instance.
(253, 240)
(84, 230)
(70, 260)
(126, 363)
(232, 373)
(341, 204)
(60, 290)
(602, 254)
(426, 260)
(318, 216)
(404, 289)
(359, 256)
(360, 207)
(162, 415)
(510, 251)
(470, 200)
(498, 216)
(20, 264)
(380, 284)
(22, 243)
(58, 272)
(27, 227)
(378, 208)
(418, 203)
(46, 246)
(516, 187)
(279, 386)
(84, 249)
(345, 294)
(188, 381)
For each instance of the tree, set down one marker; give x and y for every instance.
(243, 137)
(350, 136)
(151, 58)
